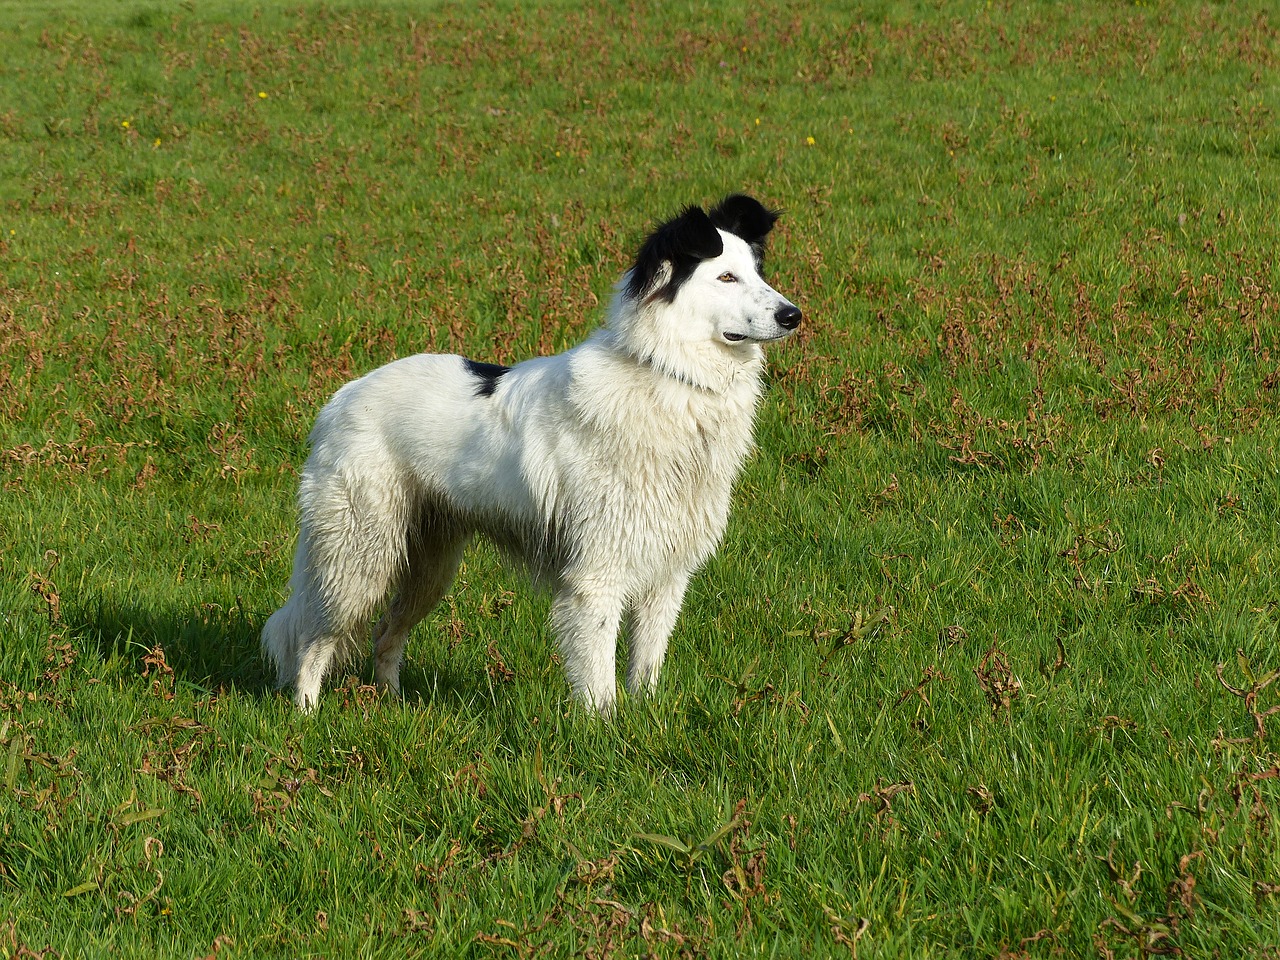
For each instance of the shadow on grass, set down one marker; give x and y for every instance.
(207, 648)
(213, 647)
(443, 684)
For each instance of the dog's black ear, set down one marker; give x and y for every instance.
(671, 253)
(747, 218)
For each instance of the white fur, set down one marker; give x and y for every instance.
(607, 469)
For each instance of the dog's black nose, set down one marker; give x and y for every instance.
(788, 317)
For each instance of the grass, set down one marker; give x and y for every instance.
(986, 664)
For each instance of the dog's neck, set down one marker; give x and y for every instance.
(657, 367)
(717, 378)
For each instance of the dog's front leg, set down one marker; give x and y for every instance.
(585, 622)
(652, 619)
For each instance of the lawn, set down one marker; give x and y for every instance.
(987, 664)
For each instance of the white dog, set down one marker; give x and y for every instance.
(606, 469)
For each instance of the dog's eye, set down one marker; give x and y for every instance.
(727, 277)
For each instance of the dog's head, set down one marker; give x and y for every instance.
(706, 265)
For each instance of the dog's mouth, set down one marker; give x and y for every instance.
(736, 338)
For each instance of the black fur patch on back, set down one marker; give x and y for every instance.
(747, 218)
(683, 242)
(488, 374)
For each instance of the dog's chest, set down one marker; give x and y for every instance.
(702, 445)
(675, 438)
(672, 472)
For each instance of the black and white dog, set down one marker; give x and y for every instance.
(606, 469)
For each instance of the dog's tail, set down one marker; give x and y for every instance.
(282, 640)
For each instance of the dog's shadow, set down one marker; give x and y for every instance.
(214, 648)
(208, 648)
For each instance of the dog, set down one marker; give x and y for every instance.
(606, 470)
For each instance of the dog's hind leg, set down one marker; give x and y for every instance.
(653, 617)
(585, 621)
(433, 563)
(312, 667)
(356, 545)
(297, 637)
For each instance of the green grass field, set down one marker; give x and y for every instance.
(985, 665)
